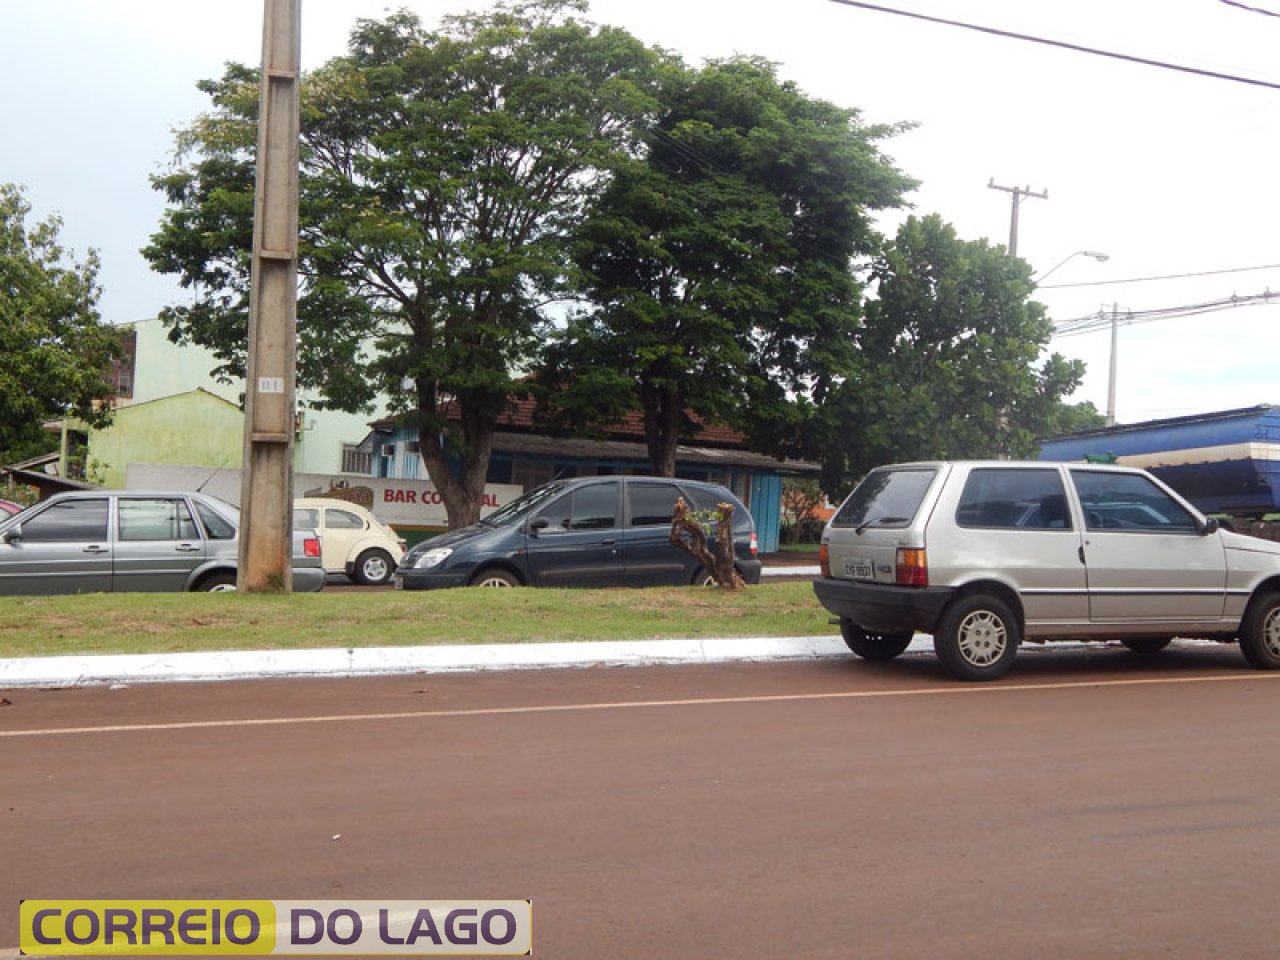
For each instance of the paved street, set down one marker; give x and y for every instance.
(1092, 805)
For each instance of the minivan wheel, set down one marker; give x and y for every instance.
(373, 568)
(1147, 646)
(977, 638)
(1260, 632)
(873, 646)
(494, 578)
(218, 583)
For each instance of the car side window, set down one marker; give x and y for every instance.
(158, 519)
(306, 518)
(652, 504)
(69, 521)
(216, 526)
(342, 520)
(1129, 502)
(1013, 499)
(595, 507)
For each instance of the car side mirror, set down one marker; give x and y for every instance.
(1209, 526)
(538, 523)
(12, 534)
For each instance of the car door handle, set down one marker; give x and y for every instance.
(1080, 553)
(96, 548)
(610, 542)
(187, 548)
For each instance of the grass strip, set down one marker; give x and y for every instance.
(179, 622)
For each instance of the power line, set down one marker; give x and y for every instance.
(1061, 44)
(1103, 318)
(1245, 6)
(1167, 276)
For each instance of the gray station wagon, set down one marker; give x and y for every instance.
(985, 555)
(118, 541)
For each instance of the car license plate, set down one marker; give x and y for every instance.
(858, 567)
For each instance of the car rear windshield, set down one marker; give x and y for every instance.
(886, 498)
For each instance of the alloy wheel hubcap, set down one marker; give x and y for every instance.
(983, 638)
(1271, 633)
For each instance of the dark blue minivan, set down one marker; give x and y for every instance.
(606, 531)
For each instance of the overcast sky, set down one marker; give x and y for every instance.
(1166, 172)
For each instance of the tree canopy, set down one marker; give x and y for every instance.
(711, 229)
(55, 351)
(716, 266)
(949, 360)
(441, 173)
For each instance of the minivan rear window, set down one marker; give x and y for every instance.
(886, 498)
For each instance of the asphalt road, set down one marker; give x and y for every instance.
(1091, 805)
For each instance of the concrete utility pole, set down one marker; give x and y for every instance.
(266, 492)
(1018, 194)
(1111, 373)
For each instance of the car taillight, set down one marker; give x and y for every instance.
(311, 547)
(824, 560)
(912, 568)
(755, 544)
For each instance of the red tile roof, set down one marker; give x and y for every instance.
(519, 417)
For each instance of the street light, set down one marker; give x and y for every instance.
(1093, 254)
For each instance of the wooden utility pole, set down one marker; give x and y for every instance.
(266, 492)
(1018, 194)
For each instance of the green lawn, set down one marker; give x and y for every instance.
(157, 623)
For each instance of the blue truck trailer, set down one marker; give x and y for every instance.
(1225, 463)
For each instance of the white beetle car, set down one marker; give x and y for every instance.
(352, 540)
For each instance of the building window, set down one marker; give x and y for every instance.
(356, 461)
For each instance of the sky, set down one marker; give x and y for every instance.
(1166, 172)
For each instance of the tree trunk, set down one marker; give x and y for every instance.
(662, 409)
(463, 496)
(688, 533)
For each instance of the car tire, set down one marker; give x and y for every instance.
(1147, 646)
(873, 646)
(373, 568)
(494, 577)
(977, 637)
(1260, 632)
(224, 582)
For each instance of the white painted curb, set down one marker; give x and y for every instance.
(372, 661)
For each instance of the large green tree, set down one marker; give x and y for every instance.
(951, 360)
(717, 264)
(55, 351)
(441, 173)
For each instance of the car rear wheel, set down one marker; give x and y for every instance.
(373, 568)
(1147, 646)
(1260, 632)
(977, 638)
(873, 646)
(218, 583)
(494, 578)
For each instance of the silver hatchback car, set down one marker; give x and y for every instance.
(985, 555)
(125, 540)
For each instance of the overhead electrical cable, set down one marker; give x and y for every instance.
(1061, 44)
(1245, 6)
(1104, 318)
(1167, 276)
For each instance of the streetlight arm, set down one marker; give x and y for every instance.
(1092, 254)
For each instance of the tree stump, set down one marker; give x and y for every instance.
(689, 534)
